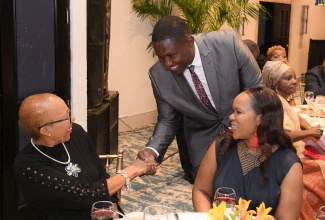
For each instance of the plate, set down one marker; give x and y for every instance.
(193, 216)
(133, 216)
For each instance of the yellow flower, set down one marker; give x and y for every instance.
(243, 206)
(217, 212)
(262, 212)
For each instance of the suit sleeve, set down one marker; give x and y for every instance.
(312, 83)
(168, 122)
(249, 71)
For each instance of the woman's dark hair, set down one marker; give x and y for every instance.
(170, 27)
(270, 132)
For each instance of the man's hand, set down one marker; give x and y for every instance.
(147, 155)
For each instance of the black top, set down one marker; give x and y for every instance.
(49, 191)
(249, 186)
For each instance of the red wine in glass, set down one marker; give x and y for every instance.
(103, 214)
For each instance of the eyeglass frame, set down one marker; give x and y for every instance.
(57, 121)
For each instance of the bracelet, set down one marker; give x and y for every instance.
(126, 177)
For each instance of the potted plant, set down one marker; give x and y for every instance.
(202, 15)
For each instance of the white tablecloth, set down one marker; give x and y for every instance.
(191, 216)
(315, 121)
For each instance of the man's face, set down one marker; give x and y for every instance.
(176, 55)
(323, 66)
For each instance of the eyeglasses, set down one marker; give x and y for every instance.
(57, 121)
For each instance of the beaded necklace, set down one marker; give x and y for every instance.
(71, 169)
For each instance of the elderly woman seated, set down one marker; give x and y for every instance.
(59, 171)
(281, 77)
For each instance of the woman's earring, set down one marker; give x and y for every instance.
(254, 142)
(276, 89)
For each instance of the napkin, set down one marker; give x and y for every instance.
(313, 153)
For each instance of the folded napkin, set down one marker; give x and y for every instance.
(312, 152)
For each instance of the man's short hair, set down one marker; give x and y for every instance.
(170, 27)
(252, 46)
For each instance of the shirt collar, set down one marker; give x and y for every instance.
(197, 58)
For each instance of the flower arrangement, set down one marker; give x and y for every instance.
(262, 213)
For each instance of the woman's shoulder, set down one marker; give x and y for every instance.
(286, 156)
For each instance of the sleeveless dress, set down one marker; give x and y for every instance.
(250, 186)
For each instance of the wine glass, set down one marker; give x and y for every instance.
(319, 101)
(321, 213)
(227, 195)
(157, 212)
(309, 96)
(102, 210)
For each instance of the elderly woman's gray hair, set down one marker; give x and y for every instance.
(272, 72)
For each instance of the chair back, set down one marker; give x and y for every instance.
(119, 165)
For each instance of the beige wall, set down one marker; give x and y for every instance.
(129, 61)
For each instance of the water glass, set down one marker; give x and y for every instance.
(321, 213)
(309, 96)
(157, 212)
(227, 195)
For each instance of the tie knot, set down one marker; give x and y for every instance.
(191, 69)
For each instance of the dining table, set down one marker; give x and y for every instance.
(313, 165)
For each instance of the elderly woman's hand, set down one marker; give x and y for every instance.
(316, 132)
(144, 168)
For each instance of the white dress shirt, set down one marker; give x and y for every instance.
(197, 63)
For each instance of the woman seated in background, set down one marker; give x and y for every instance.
(256, 158)
(280, 77)
(59, 171)
(276, 53)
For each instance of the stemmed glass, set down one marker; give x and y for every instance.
(227, 195)
(321, 213)
(103, 210)
(319, 101)
(157, 212)
(309, 96)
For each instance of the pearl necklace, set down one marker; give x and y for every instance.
(71, 169)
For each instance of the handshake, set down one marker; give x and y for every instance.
(146, 162)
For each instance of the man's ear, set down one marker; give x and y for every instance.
(190, 40)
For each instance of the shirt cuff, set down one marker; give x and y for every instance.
(154, 150)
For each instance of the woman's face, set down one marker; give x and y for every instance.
(58, 111)
(244, 120)
(287, 84)
(279, 55)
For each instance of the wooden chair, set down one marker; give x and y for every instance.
(119, 165)
(301, 87)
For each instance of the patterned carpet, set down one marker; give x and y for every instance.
(166, 187)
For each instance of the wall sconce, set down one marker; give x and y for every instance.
(304, 19)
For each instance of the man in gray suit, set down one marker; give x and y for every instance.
(224, 66)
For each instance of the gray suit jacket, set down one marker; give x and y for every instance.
(229, 67)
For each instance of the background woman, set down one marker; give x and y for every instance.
(270, 172)
(59, 171)
(279, 76)
(276, 52)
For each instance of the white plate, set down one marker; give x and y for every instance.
(193, 216)
(135, 215)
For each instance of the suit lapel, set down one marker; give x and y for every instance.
(210, 72)
(183, 84)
